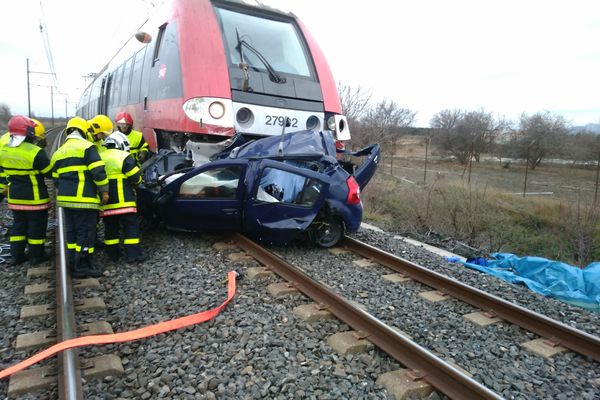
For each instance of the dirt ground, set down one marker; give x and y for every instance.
(552, 179)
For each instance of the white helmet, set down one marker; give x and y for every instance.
(117, 140)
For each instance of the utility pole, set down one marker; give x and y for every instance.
(427, 140)
(28, 91)
(597, 178)
(52, 103)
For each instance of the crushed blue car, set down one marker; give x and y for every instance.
(272, 189)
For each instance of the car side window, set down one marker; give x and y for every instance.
(216, 183)
(287, 187)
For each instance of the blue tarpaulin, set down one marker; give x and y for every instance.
(578, 286)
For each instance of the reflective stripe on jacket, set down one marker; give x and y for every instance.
(123, 173)
(136, 144)
(25, 166)
(80, 173)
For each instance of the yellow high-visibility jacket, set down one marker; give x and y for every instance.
(123, 174)
(24, 167)
(79, 172)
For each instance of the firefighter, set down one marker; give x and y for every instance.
(80, 176)
(40, 133)
(120, 211)
(100, 127)
(137, 145)
(24, 164)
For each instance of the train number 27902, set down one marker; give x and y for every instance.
(280, 120)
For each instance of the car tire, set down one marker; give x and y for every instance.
(327, 232)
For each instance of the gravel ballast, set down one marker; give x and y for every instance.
(257, 348)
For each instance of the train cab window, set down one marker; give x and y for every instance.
(165, 78)
(277, 41)
(216, 183)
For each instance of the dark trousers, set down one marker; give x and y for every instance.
(28, 228)
(130, 225)
(81, 236)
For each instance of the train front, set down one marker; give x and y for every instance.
(272, 70)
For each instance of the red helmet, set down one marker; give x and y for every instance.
(124, 118)
(20, 125)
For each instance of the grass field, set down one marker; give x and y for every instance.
(484, 207)
(557, 179)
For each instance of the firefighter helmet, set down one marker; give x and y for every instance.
(117, 140)
(78, 123)
(39, 129)
(124, 118)
(101, 124)
(20, 125)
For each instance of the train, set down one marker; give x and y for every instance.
(201, 72)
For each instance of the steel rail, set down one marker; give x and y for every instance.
(69, 382)
(439, 374)
(572, 338)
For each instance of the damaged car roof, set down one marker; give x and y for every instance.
(303, 143)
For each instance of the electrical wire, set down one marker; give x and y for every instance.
(47, 47)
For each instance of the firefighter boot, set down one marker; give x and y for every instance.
(17, 252)
(90, 268)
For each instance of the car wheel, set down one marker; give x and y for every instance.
(327, 232)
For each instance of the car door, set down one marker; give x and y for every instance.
(206, 199)
(366, 170)
(283, 201)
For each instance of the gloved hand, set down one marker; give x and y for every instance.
(142, 156)
(104, 198)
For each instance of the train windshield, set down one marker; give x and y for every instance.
(277, 42)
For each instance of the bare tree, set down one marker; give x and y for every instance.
(446, 119)
(540, 135)
(583, 146)
(355, 101)
(466, 134)
(383, 124)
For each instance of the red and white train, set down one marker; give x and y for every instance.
(203, 70)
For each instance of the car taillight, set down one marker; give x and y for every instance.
(353, 191)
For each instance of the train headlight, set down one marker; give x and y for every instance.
(209, 110)
(216, 110)
(313, 123)
(331, 123)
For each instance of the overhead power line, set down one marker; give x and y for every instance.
(47, 47)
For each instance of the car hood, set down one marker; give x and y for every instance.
(294, 144)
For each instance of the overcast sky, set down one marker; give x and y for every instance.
(506, 57)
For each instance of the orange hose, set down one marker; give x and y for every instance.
(140, 333)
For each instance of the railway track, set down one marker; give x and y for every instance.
(59, 376)
(261, 346)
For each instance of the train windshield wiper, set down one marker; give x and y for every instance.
(273, 75)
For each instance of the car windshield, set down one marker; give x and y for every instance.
(278, 41)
